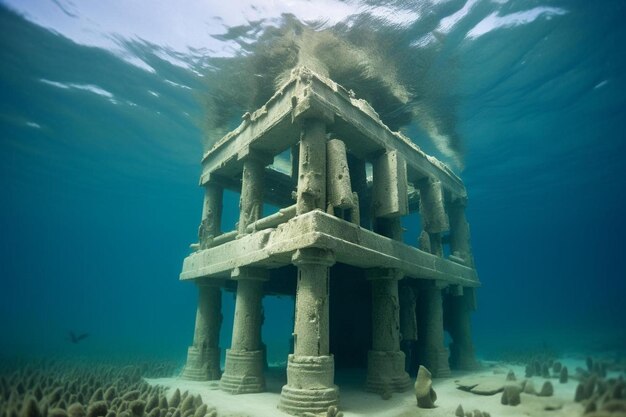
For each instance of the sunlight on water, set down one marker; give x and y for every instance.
(404, 58)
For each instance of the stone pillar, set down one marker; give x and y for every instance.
(432, 351)
(358, 176)
(252, 183)
(460, 232)
(390, 196)
(311, 193)
(390, 193)
(462, 303)
(408, 326)
(211, 215)
(386, 370)
(432, 209)
(203, 357)
(385, 362)
(458, 314)
(339, 193)
(310, 369)
(243, 370)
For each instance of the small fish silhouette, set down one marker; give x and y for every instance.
(77, 338)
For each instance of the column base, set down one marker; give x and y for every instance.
(385, 372)
(310, 387)
(436, 360)
(243, 372)
(297, 401)
(202, 365)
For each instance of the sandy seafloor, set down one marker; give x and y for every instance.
(357, 403)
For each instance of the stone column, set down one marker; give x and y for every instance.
(339, 193)
(435, 221)
(432, 351)
(203, 357)
(460, 232)
(310, 369)
(462, 303)
(311, 193)
(338, 185)
(252, 183)
(211, 215)
(358, 176)
(458, 313)
(385, 369)
(243, 370)
(408, 326)
(385, 362)
(390, 196)
(432, 209)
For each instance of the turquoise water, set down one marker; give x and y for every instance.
(105, 112)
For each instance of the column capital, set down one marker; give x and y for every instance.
(440, 285)
(209, 282)
(252, 155)
(315, 256)
(249, 273)
(383, 273)
(212, 180)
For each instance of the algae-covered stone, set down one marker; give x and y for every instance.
(511, 395)
(529, 388)
(424, 392)
(76, 410)
(30, 408)
(137, 407)
(57, 412)
(547, 390)
(97, 409)
(175, 400)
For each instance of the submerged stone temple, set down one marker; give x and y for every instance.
(363, 297)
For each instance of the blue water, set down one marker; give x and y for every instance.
(103, 123)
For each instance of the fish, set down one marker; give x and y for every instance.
(74, 338)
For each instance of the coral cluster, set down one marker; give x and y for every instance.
(59, 389)
(547, 368)
(600, 395)
(476, 413)
(511, 395)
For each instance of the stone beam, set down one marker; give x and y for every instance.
(351, 244)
